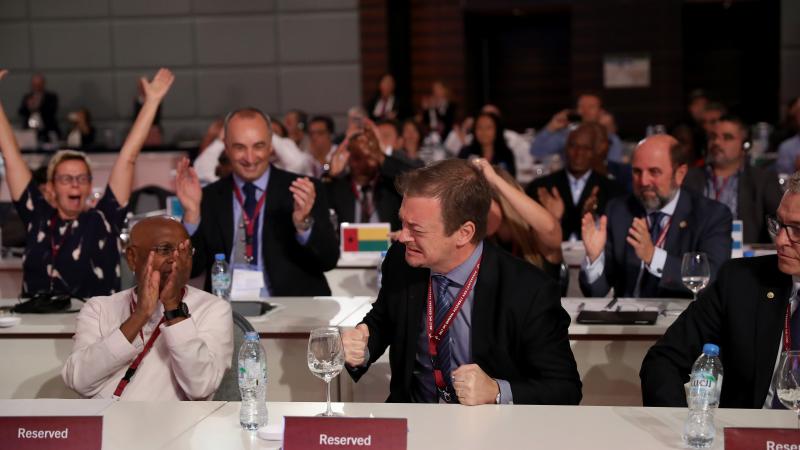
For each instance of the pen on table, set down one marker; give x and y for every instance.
(580, 307)
(611, 303)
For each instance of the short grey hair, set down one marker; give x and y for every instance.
(793, 183)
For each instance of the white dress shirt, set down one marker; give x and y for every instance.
(576, 185)
(187, 361)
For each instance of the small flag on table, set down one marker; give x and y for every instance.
(365, 237)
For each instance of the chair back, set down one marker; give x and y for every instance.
(229, 387)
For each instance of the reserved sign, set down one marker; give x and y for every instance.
(354, 433)
(62, 432)
(762, 439)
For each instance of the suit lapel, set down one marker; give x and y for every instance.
(562, 184)
(594, 180)
(348, 199)
(416, 296)
(773, 297)
(225, 217)
(483, 305)
(680, 223)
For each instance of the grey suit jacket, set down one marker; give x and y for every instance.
(759, 194)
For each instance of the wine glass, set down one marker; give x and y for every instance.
(786, 382)
(326, 358)
(695, 272)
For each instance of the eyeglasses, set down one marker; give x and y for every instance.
(774, 227)
(167, 249)
(68, 180)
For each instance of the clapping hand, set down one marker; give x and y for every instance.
(303, 193)
(552, 201)
(149, 290)
(639, 239)
(178, 276)
(594, 237)
(188, 190)
(590, 205)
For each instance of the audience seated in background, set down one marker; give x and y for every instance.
(296, 123)
(490, 143)
(321, 146)
(571, 192)
(745, 312)
(261, 218)
(613, 170)
(388, 134)
(213, 133)
(520, 225)
(366, 192)
(637, 247)
(82, 134)
(191, 331)
(71, 249)
(411, 139)
(789, 149)
(689, 130)
(507, 344)
(788, 127)
(385, 104)
(552, 139)
(38, 110)
(438, 110)
(749, 192)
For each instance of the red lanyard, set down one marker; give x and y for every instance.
(787, 331)
(249, 222)
(123, 383)
(435, 336)
(56, 247)
(663, 235)
(718, 190)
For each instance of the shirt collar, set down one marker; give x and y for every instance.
(582, 179)
(260, 182)
(461, 273)
(795, 286)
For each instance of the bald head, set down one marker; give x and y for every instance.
(661, 144)
(658, 170)
(161, 237)
(154, 227)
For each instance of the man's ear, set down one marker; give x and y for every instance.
(465, 233)
(130, 258)
(680, 173)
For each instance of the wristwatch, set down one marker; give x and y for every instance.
(182, 311)
(308, 222)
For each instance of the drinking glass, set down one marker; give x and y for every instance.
(695, 272)
(326, 358)
(786, 382)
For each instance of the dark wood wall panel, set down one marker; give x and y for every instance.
(374, 44)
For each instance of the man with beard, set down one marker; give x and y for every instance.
(161, 340)
(749, 192)
(637, 247)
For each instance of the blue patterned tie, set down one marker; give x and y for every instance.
(655, 225)
(250, 208)
(444, 349)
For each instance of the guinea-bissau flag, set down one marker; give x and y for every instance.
(365, 237)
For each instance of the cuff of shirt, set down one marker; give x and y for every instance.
(656, 266)
(506, 397)
(179, 333)
(303, 237)
(593, 270)
(191, 228)
(122, 350)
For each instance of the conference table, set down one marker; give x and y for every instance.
(215, 425)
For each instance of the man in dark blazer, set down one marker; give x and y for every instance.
(366, 193)
(42, 102)
(637, 247)
(751, 193)
(744, 313)
(296, 244)
(508, 342)
(559, 191)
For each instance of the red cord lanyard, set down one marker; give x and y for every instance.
(662, 237)
(718, 190)
(434, 337)
(56, 247)
(123, 383)
(249, 222)
(787, 331)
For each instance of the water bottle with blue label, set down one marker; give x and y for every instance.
(705, 385)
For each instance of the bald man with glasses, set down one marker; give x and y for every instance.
(751, 312)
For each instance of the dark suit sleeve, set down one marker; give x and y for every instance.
(714, 241)
(549, 363)
(201, 258)
(322, 245)
(667, 365)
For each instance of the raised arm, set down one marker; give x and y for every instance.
(121, 179)
(18, 174)
(546, 229)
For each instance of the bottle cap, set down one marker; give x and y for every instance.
(219, 257)
(711, 350)
(251, 336)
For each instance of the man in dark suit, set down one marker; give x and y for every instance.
(366, 193)
(638, 246)
(745, 312)
(261, 218)
(749, 192)
(493, 330)
(570, 193)
(41, 105)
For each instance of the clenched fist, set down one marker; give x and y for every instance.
(355, 345)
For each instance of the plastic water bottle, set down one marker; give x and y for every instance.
(220, 277)
(705, 386)
(380, 273)
(252, 383)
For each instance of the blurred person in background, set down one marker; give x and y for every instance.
(490, 143)
(82, 133)
(296, 123)
(385, 104)
(412, 139)
(438, 111)
(39, 109)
